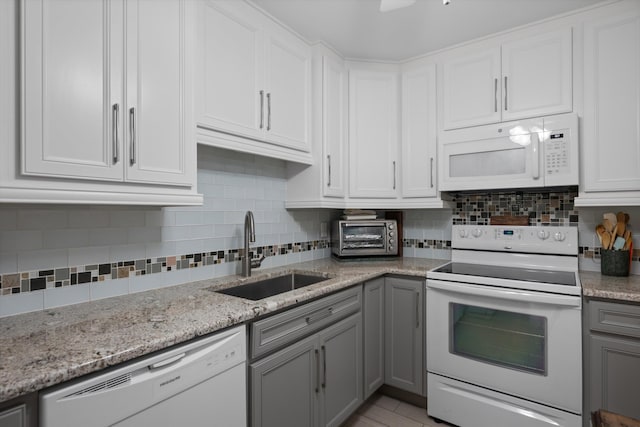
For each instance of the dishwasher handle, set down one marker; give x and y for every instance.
(167, 362)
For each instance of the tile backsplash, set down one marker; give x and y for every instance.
(51, 256)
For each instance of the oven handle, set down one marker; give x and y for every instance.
(507, 294)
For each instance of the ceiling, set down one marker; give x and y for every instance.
(357, 29)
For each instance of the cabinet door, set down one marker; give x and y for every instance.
(341, 356)
(288, 91)
(285, 386)
(471, 89)
(615, 375)
(230, 68)
(158, 132)
(419, 132)
(334, 125)
(373, 314)
(537, 75)
(612, 103)
(404, 334)
(72, 81)
(373, 133)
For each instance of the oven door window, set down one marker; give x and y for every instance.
(503, 338)
(363, 237)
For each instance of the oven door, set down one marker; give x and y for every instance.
(523, 343)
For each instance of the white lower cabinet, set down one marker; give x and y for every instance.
(314, 382)
(105, 116)
(610, 163)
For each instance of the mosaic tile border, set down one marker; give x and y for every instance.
(594, 253)
(29, 281)
(552, 208)
(426, 243)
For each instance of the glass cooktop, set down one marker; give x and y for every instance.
(565, 278)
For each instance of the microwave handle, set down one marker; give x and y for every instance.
(535, 155)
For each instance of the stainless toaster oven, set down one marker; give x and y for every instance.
(364, 238)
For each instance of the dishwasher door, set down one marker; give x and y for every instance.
(202, 383)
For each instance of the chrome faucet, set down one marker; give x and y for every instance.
(249, 237)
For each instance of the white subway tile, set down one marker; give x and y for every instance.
(201, 232)
(24, 302)
(188, 218)
(127, 218)
(89, 218)
(48, 258)
(159, 218)
(8, 262)
(127, 252)
(42, 219)
(144, 234)
(21, 240)
(58, 297)
(159, 249)
(146, 282)
(88, 255)
(184, 247)
(109, 288)
(58, 239)
(234, 217)
(107, 236)
(202, 273)
(8, 219)
(176, 277)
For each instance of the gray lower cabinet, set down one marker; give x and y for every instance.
(404, 334)
(314, 382)
(373, 315)
(613, 376)
(20, 412)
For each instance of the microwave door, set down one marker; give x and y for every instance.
(510, 161)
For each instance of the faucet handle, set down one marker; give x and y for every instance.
(255, 263)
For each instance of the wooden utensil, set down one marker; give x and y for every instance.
(606, 240)
(622, 223)
(608, 225)
(612, 219)
(600, 231)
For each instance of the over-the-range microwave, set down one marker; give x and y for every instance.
(364, 238)
(540, 152)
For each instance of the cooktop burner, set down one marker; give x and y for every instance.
(565, 278)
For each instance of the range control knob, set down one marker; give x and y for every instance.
(391, 234)
(390, 226)
(559, 236)
(463, 233)
(476, 232)
(543, 234)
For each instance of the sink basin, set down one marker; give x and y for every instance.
(272, 286)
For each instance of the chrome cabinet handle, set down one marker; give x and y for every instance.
(317, 371)
(417, 309)
(132, 135)
(324, 367)
(115, 112)
(269, 111)
(261, 109)
(495, 95)
(394, 174)
(505, 93)
(431, 162)
(329, 165)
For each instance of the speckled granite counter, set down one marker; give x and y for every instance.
(44, 348)
(624, 289)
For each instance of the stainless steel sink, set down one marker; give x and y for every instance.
(272, 286)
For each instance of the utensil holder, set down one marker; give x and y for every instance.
(614, 263)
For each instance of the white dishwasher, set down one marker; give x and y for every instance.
(202, 383)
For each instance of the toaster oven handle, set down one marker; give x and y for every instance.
(506, 294)
(535, 155)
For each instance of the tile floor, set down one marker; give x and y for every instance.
(384, 411)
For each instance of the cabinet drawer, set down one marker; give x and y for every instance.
(622, 319)
(284, 328)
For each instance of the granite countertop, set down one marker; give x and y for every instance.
(48, 347)
(624, 289)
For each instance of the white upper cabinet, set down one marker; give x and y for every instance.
(522, 78)
(334, 125)
(254, 80)
(373, 133)
(536, 75)
(611, 140)
(232, 57)
(71, 83)
(419, 131)
(105, 102)
(472, 89)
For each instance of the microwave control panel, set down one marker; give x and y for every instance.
(556, 154)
